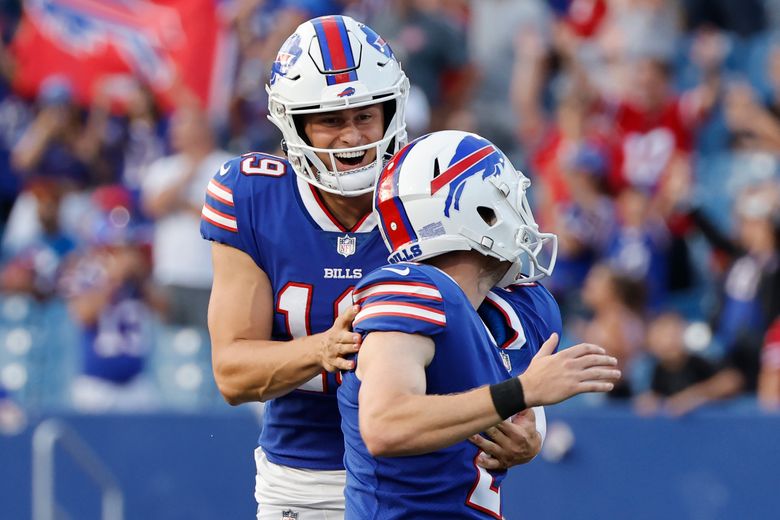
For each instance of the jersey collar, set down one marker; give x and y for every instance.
(318, 212)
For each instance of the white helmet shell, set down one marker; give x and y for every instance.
(452, 190)
(335, 63)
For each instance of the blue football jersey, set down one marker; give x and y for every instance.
(421, 299)
(521, 318)
(257, 204)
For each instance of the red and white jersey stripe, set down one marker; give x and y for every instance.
(401, 310)
(416, 289)
(219, 219)
(222, 193)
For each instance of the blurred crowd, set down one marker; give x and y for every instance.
(650, 130)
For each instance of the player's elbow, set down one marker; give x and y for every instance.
(231, 393)
(378, 444)
(382, 439)
(235, 389)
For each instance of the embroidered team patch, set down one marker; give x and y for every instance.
(289, 515)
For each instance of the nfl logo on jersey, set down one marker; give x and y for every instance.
(507, 361)
(289, 515)
(346, 245)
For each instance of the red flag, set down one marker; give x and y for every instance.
(166, 43)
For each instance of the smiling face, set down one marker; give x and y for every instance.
(343, 129)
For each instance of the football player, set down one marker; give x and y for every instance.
(429, 373)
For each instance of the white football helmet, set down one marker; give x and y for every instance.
(450, 191)
(332, 63)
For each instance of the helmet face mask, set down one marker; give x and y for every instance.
(455, 191)
(335, 63)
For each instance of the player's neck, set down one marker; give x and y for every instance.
(347, 210)
(468, 269)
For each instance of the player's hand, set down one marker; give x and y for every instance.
(552, 378)
(512, 442)
(339, 341)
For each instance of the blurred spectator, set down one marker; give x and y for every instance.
(769, 376)
(52, 145)
(110, 298)
(751, 285)
(573, 129)
(125, 131)
(639, 245)
(172, 195)
(676, 369)
(751, 294)
(497, 33)
(584, 225)
(431, 45)
(34, 270)
(50, 149)
(654, 129)
(617, 304)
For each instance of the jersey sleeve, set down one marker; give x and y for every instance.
(219, 222)
(399, 298)
(233, 210)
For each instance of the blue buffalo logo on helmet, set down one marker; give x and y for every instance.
(346, 92)
(377, 41)
(472, 156)
(287, 56)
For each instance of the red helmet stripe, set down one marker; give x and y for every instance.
(338, 48)
(459, 167)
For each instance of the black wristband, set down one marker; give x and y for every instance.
(508, 397)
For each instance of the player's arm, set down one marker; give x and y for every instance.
(248, 366)
(397, 418)
(519, 439)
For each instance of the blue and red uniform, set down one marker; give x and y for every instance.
(421, 299)
(258, 205)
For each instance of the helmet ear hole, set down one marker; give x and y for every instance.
(487, 214)
(436, 168)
